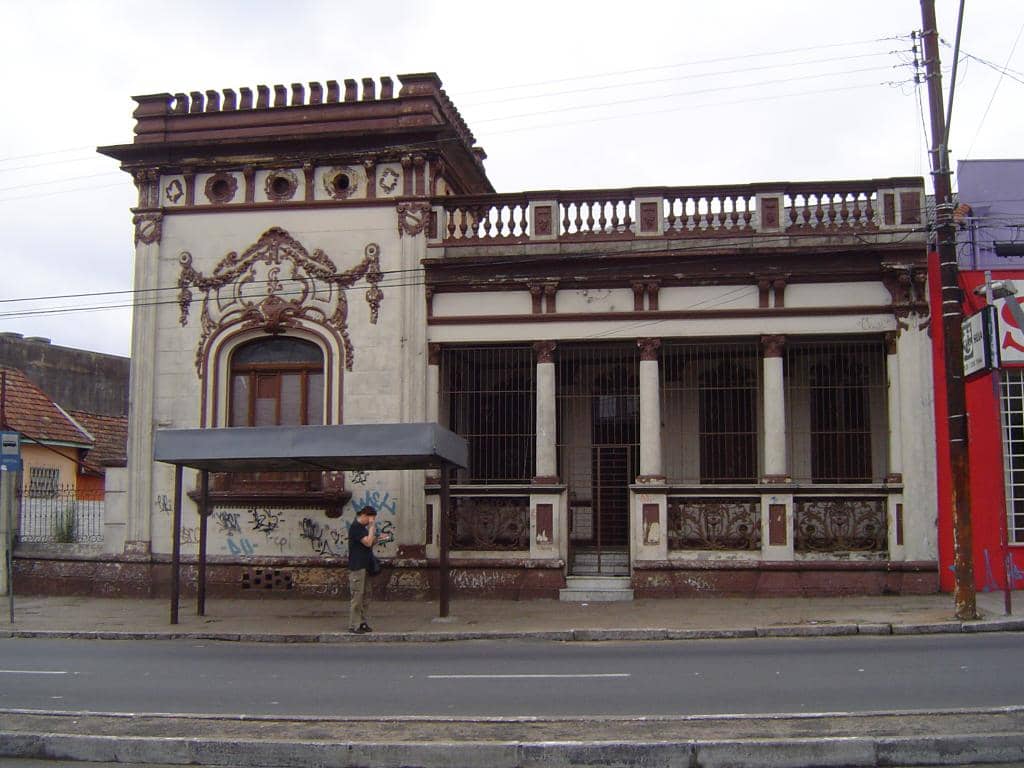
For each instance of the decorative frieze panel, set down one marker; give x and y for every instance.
(840, 525)
(714, 523)
(490, 523)
(273, 285)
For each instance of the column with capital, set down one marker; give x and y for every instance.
(776, 508)
(648, 501)
(776, 467)
(892, 369)
(546, 467)
(650, 412)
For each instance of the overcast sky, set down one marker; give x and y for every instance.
(560, 94)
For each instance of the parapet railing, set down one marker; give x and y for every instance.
(679, 212)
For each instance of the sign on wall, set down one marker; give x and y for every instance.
(1010, 330)
(980, 342)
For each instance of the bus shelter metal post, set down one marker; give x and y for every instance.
(443, 522)
(204, 516)
(176, 546)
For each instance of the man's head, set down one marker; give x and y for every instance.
(366, 514)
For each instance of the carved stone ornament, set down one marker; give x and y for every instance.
(773, 346)
(272, 285)
(649, 348)
(148, 227)
(174, 190)
(281, 185)
(389, 180)
(545, 351)
(341, 182)
(413, 218)
(221, 188)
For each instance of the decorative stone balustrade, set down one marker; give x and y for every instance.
(624, 214)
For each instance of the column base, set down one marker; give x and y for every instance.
(894, 478)
(650, 479)
(545, 480)
(776, 479)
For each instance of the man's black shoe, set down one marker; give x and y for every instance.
(364, 627)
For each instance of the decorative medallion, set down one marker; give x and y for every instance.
(148, 227)
(389, 180)
(272, 285)
(174, 191)
(281, 185)
(341, 182)
(413, 218)
(221, 188)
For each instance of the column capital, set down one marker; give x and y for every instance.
(648, 348)
(545, 351)
(773, 346)
(433, 353)
(891, 337)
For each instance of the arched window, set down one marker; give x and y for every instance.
(277, 381)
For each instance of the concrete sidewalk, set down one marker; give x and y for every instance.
(306, 620)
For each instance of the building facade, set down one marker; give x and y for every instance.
(720, 390)
(990, 216)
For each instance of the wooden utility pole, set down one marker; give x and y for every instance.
(952, 316)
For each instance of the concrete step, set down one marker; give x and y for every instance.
(596, 589)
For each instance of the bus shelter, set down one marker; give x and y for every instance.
(340, 447)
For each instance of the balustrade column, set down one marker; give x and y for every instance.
(776, 466)
(547, 454)
(892, 367)
(650, 412)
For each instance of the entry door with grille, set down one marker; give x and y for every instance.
(599, 427)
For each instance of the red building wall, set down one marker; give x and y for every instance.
(987, 484)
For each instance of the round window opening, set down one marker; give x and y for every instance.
(341, 183)
(281, 186)
(220, 189)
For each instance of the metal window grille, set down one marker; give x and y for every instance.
(1013, 450)
(65, 516)
(598, 404)
(711, 411)
(488, 395)
(43, 482)
(837, 410)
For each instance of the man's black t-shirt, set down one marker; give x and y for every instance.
(358, 553)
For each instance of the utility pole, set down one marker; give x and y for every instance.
(952, 315)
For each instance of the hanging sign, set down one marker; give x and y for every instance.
(1010, 329)
(981, 342)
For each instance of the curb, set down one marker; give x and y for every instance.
(567, 635)
(847, 752)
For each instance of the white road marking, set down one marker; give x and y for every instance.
(32, 672)
(529, 677)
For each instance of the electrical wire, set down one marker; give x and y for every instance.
(995, 91)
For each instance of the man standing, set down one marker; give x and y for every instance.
(362, 535)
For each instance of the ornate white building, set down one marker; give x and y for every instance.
(720, 390)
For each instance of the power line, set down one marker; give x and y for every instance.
(699, 75)
(995, 91)
(694, 62)
(638, 99)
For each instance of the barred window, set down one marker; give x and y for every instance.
(43, 482)
(837, 410)
(712, 396)
(1013, 450)
(488, 396)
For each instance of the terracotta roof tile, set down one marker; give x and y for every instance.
(31, 412)
(110, 434)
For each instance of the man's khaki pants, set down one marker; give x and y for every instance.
(359, 586)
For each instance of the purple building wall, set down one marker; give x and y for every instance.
(994, 189)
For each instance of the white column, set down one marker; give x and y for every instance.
(776, 466)
(650, 412)
(892, 368)
(138, 536)
(547, 456)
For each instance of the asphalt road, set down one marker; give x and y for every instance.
(503, 678)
